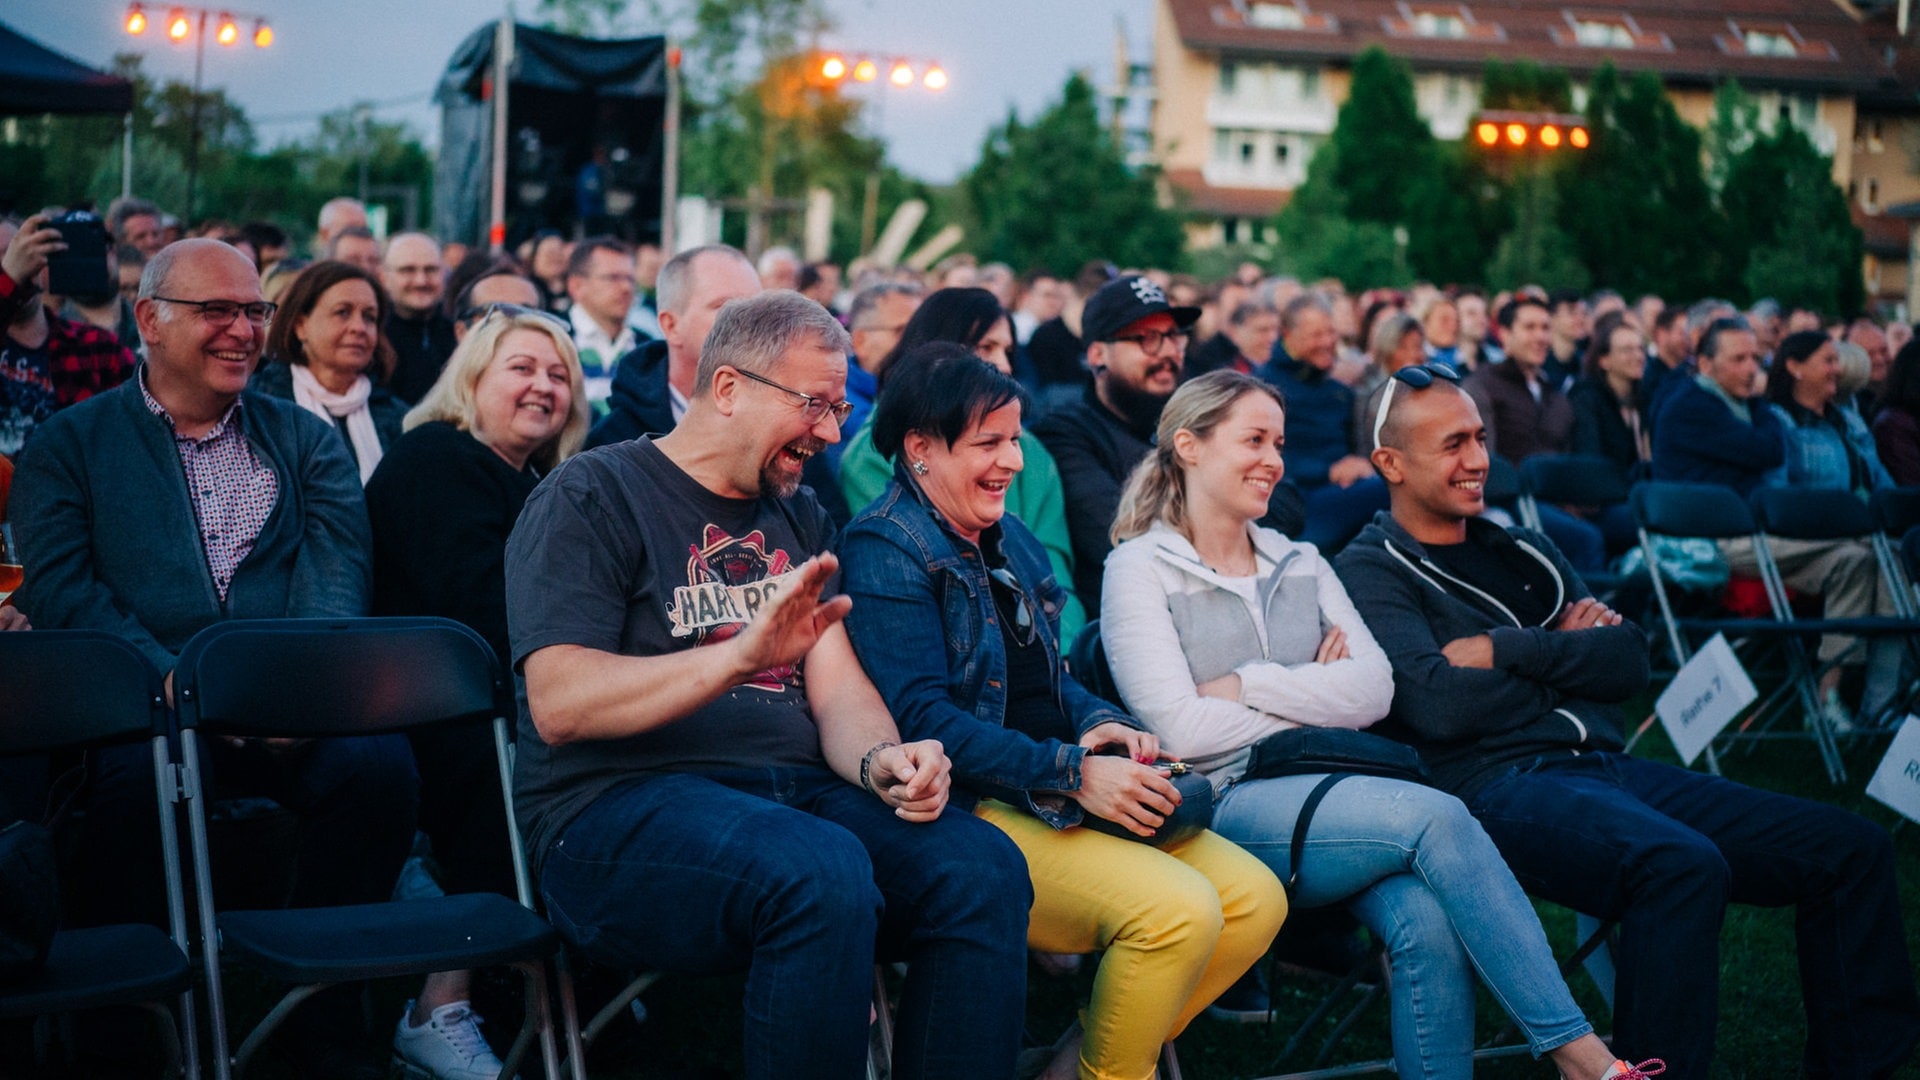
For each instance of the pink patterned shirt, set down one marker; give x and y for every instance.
(233, 491)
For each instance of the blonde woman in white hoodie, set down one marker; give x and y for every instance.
(1221, 633)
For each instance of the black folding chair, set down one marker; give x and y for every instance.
(1572, 480)
(1799, 513)
(65, 690)
(1896, 512)
(318, 678)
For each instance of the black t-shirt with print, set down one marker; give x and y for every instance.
(620, 550)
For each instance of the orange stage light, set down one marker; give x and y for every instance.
(1550, 137)
(1517, 134)
(1488, 134)
(1578, 138)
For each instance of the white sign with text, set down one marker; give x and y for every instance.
(1704, 698)
(1897, 781)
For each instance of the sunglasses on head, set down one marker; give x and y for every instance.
(1022, 614)
(1416, 377)
(479, 314)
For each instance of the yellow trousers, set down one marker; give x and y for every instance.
(1178, 926)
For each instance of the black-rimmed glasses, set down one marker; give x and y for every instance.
(1151, 340)
(223, 312)
(812, 408)
(1416, 377)
(502, 307)
(1022, 612)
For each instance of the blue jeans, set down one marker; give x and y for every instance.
(1663, 850)
(1412, 864)
(795, 876)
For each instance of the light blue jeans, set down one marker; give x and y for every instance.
(1412, 864)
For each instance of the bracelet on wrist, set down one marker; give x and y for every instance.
(866, 766)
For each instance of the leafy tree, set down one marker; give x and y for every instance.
(1629, 200)
(1058, 191)
(1319, 240)
(1536, 251)
(1525, 85)
(1789, 227)
(1735, 123)
(1380, 144)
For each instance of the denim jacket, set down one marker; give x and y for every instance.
(1818, 457)
(925, 628)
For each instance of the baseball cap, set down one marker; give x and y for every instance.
(1125, 301)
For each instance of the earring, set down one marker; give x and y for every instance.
(919, 468)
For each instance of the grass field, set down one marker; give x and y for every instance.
(693, 1025)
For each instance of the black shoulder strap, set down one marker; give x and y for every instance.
(1301, 824)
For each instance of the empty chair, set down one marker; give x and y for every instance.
(79, 689)
(320, 678)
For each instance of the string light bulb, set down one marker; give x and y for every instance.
(177, 25)
(136, 20)
(935, 78)
(227, 31)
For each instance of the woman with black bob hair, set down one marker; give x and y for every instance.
(974, 318)
(1896, 427)
(956, 619)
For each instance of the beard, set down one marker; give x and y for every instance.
(1139, 408)
(781, 484)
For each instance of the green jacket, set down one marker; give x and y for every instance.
(1034, 497)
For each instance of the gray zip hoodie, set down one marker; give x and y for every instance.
(1549, 693)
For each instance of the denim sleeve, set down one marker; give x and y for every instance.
(899, 634)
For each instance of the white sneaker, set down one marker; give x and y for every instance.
(448, 1046)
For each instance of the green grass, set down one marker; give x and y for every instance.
(693, 1028)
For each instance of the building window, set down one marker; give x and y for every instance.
(1246, 152)
(1280, 152)
(1310, 84)
(1230, 228)
(1450, 90)
(1222, 144)
(1876, 137)
(1272, 16)
(1769, 43)
(1872, 204)
(1598, 34)
(1229, 76)
(1435, 24)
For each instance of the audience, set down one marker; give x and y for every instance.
(1177, 926)
(1509, 678)
(1896, 427)
(420, 333)
(177, 500)
(327, 351)
(46, 362)
(682, 667)
(600, 288)
(1323, 452)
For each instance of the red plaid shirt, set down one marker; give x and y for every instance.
(83, 359)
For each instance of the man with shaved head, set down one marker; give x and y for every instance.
(176, 500)
(421, 333)
(1508, 677)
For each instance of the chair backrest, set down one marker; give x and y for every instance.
(1088, 662)
(1667, 508)
(1800, 513)
(317, 677)
(70, 689)
(1574, 479)
(1503, 482)
(1896, 509)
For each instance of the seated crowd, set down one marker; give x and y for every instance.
(789, 597)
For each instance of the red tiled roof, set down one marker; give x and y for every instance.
(1199, 196)
(1696, 41)
(1882, 234)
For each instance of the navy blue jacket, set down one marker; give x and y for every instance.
(640, 404)
(1700, 441)
(1319, 418)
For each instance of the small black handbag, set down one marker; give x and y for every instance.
(1193, 816)
(1338, 752)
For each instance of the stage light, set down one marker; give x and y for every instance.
(1488, 134)
(1517, 134)
(1578, 137)
(1550, 137)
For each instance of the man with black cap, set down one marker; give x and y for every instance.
(1135, 342)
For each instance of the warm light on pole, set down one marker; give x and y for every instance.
(183, 22)
(834, 68)
(865, 71)
(935, 79)
(901, 75)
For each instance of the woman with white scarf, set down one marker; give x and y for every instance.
(327, 351)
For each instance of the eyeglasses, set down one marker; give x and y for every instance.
(1022, 614)
(512, 311)
(813, 408)
(1151, 340)
(1417, 377)
(223, 312)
